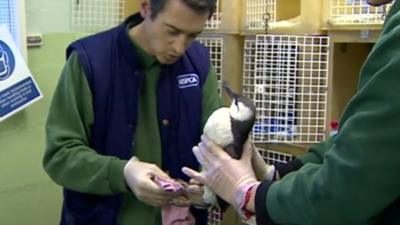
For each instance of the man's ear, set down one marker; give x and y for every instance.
(145, 9)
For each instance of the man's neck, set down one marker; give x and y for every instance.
(136, 34)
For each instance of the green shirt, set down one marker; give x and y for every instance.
(352, 178)
(71, 163)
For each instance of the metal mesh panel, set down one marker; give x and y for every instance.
(348, 12)
(216, 46)
(249, 68)
(214, 217)
(96, 15)
(259, 13)
(7, 16)
(287, 80)
(272, 157)
(215, 21)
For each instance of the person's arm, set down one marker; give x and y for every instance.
(359, 174)
(278, 170)
(68, 159)
(315, 153)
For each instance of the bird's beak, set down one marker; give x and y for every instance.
(228, 90)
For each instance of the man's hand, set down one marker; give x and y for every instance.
(139, 177)
(226, 176)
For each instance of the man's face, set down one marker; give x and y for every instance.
(378, 2)
(172, 30)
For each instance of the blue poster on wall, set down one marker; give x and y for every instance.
(18, 89)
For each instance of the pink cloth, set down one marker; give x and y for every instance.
(173, 215)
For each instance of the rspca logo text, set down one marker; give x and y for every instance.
(188, 80)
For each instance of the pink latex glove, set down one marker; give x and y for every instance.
(227, 177)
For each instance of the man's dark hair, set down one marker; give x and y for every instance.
(200, 6)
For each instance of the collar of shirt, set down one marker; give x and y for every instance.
(146, 60)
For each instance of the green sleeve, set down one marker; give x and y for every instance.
(359, 176)
(68, 159)
(316, 152)
(211, 99)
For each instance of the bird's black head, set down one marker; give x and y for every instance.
(241, 108)
(243, 115)
(230, 93)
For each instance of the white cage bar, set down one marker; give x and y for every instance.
(356, 12)
(287, 79)
(259, 13)
(90, 16)
(215, 21)
(216, 47)
(249, 68)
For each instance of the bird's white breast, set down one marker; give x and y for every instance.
(218, 127)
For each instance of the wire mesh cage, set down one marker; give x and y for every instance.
(259, 13)
(286, 76)
(91, 16)
(353, 12)
(215, 21)
(282, 16)
(214, 217)
(216, 47)
(249, 68)
(272, 157)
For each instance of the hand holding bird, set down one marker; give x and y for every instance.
(226, 176)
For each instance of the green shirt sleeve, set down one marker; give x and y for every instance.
(211, 100)
(316, 152)
(68, 159)
(359, 176)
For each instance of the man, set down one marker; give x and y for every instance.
(350, 179)
(129, 106)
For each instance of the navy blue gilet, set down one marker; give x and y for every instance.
(110, 63)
